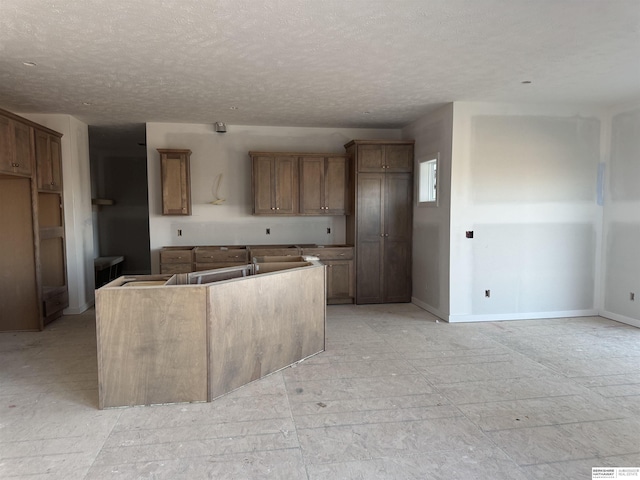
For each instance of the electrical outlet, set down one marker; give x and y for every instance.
(469, 234)
(179, 232)
(268, 231)
(487, 293)
(328, 230)
(632, 297)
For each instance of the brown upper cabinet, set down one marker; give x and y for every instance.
(48, 161)
(15, 147)
(323, 184)
(176, 181)
(275, 183)
(299, 183)
(381, 157)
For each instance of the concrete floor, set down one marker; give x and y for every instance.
(396, 395)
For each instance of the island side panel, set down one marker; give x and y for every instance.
(264, 323)
(151, 345)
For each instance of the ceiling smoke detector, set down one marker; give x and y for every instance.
(220, 127)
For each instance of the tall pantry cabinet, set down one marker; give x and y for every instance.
(33, 278)
(380, 227)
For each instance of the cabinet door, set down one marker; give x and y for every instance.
(312, 186)
(48, 162)
(339, 280)
(263, 194)
(18, 290)
(15, 147)
(335, 186)
(55, 149)
(43, 160)
(397, 237)
(286, 185)
(176, 184)
(370, 158)
(398, 158)
(370, 240)
(22, 148)
(6, 146)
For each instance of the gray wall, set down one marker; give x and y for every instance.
(431, 235)
(622, 219)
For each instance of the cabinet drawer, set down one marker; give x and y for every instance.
(275, 252)
(331, 253)
(175, 256)
(223, 255)
(55, 303)
(176, 268)
(200, 267)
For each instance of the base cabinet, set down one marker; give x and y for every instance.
(340, 272)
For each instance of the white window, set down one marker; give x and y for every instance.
(428, 180)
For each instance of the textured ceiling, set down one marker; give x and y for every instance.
(313, 62)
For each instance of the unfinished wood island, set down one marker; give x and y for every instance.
(193, 337)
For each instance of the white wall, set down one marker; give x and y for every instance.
(622, 218)
(227, 153)
(432, 134)
(77, 207)
(524, 180)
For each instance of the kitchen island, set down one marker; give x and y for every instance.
(193, 337)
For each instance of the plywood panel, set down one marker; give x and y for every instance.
(262, 324)
(19, 308)
(151, 345)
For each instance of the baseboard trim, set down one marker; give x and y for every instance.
(521, 316)
(80, 309)
(429, 308)
(634, 322)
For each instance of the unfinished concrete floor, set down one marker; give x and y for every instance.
(396, 395)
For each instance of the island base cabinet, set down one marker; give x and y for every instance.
(275, 324)
(151, 345)
(193, 337)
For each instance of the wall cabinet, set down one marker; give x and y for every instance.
(323, 185)
(299, 183)
(381, 226)
(33, 290)
(15, 147)
(384, 157)
(176, 181)
(48, 161)
(275, 183)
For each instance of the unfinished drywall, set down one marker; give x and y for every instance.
(76, 185)
(622, 219)
(226, 155)
(432, 134)
(530, 159)
(524, 181)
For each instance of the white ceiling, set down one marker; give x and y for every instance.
(310, 62)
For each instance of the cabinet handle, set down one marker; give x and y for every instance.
(382, 234)
(53, 183)
(386, 234)
(277, 208)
